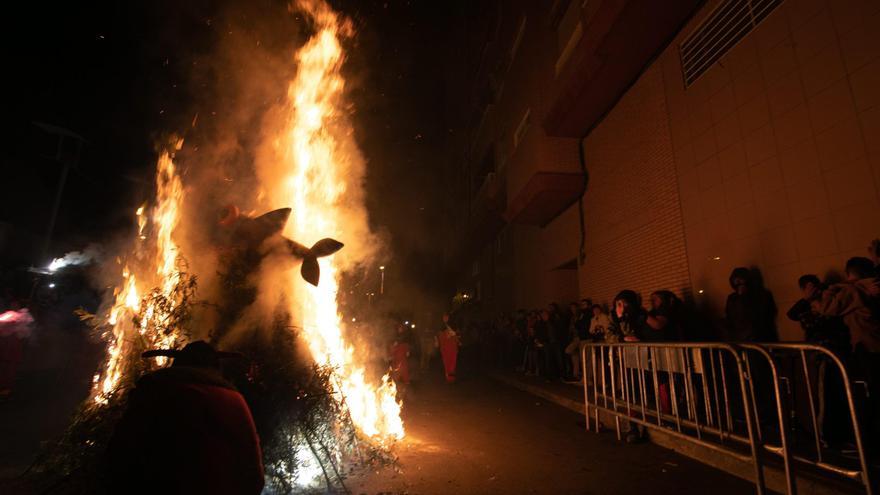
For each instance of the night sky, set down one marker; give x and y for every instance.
(123, 75)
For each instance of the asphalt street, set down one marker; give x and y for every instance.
(481, 436)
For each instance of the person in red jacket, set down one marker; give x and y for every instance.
(448, 341)
(400, 350)
(187, 430)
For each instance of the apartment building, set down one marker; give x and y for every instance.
(651, 145)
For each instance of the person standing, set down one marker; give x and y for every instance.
(831, 333)
(629, 323)
(663, 318)
(750, 312)
(448, 341)
(629, 320)
(854, 302)
(186, 429)
(400, 350)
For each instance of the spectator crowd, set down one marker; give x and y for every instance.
(840, 315)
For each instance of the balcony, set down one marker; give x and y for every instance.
(544, 197)
(544, 178)
(619, 39)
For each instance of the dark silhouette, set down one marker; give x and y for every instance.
(186, 430)
(855, 303)
(664, 318)
(750, 312)
(254, 238)
(829, 332)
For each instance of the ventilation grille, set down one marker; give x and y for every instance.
(730, 22)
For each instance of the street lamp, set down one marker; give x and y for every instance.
(382, 282)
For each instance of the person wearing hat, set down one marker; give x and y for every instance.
(186, 429)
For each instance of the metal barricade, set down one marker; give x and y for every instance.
(725, 397)
(759, 377)
(689, 391)
(808, 367)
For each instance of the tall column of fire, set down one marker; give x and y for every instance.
(316, 183)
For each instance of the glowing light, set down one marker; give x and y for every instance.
(52, 286)
(156, 264)
(74, 258)
(314, 186)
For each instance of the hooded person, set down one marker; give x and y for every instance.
(750, 312)
(186, 430)
(855, 302)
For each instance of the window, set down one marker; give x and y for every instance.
(725, 26)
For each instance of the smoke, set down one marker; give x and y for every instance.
(91, 254)
(236, 152)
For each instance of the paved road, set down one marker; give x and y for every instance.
(54, 379)
(480, 436)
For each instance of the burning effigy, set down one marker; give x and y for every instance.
(264, 285)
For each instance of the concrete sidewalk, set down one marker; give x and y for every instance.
(571, 396)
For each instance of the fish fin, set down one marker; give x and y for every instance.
(326, 247)
(310, 270)
(297, 249)
(269, 223)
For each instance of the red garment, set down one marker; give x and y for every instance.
(186, 430)
(448, 341)
(400, 362)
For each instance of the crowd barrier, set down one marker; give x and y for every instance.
(741, 400)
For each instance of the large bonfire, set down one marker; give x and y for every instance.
(340, 410)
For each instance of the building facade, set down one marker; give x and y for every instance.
(658, 145)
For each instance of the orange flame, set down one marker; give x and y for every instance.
(159, 270)
(314, 186)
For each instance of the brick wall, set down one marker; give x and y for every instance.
(635, 234)
(777, 148)
(771, 159)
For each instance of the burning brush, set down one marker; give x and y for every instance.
(313, 416)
